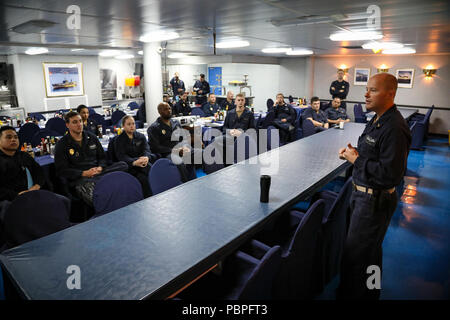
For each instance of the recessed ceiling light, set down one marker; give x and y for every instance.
(176, 55)
(77, 49)
(141, 52)
(399, 51)
(233, 44)
(357, 35)
(158, 36)
(124, 56)
(382, 45)
(33, 51)
(299, 52)
(275, 50)
(108, 53)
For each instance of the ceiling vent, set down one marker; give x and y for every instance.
(33, 26)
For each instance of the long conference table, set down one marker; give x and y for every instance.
(153, 248)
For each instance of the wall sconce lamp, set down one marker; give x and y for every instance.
(429, 71)
(344, 68)
(383, 68)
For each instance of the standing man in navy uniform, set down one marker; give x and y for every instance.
(379, 165)
(201, 87)
(339, 88)
(177, 85)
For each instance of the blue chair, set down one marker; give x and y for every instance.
(23, 223)
(26, 132)
(298, 124)
(116, 117)
(334, 231)
(197, 111)
(213, 167)
(272, 132)
(91, 111)
(419, 130)
(111, 152)
(99, 120)
(298, 237)
(36, 115)
(248, 274)
(360, 115)
(56, 124)
(115, 190)
(133, 105)
(268, 120)
(269, 104)
(42, 133)
(324, 105)
(308, 128)
(163, 176)
(250, 148)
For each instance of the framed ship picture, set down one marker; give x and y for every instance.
(63, 79)
(405, 78)
(362, 76)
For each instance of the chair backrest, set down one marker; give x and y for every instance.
(117, 116)
(111, 152)
(42, 133)
(91, 111)
(115, 190)
(133, 105)
(341, 204)
(218, 146)
(359, 113)
(35, 214)
(56, 124)
(36, 115)
(324, 105)
(163, 176)
(428, 114)
(197, 111)
(308, 128)
(267, 121)
(26, 132)
(259, 284)
(244, 147)
(269, 104)
(296, 278)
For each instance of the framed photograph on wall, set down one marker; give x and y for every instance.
(63, 79)
(361, 76)
(405, 78)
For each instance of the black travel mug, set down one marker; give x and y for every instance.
(265, 187)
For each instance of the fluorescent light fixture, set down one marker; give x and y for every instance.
(33, 51)
(382, 45)
(233, 44)
(357, 35)
(176, 55)
(158, 36)
(141, 52)
(299, 52)
(275, 50)
(108, 53)
(77, 49)
(399, 51)
(124, 56)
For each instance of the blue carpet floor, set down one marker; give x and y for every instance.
(416, 252)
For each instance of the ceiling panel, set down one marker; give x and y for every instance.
(119, 24)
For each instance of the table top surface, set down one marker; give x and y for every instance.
(153, 247)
